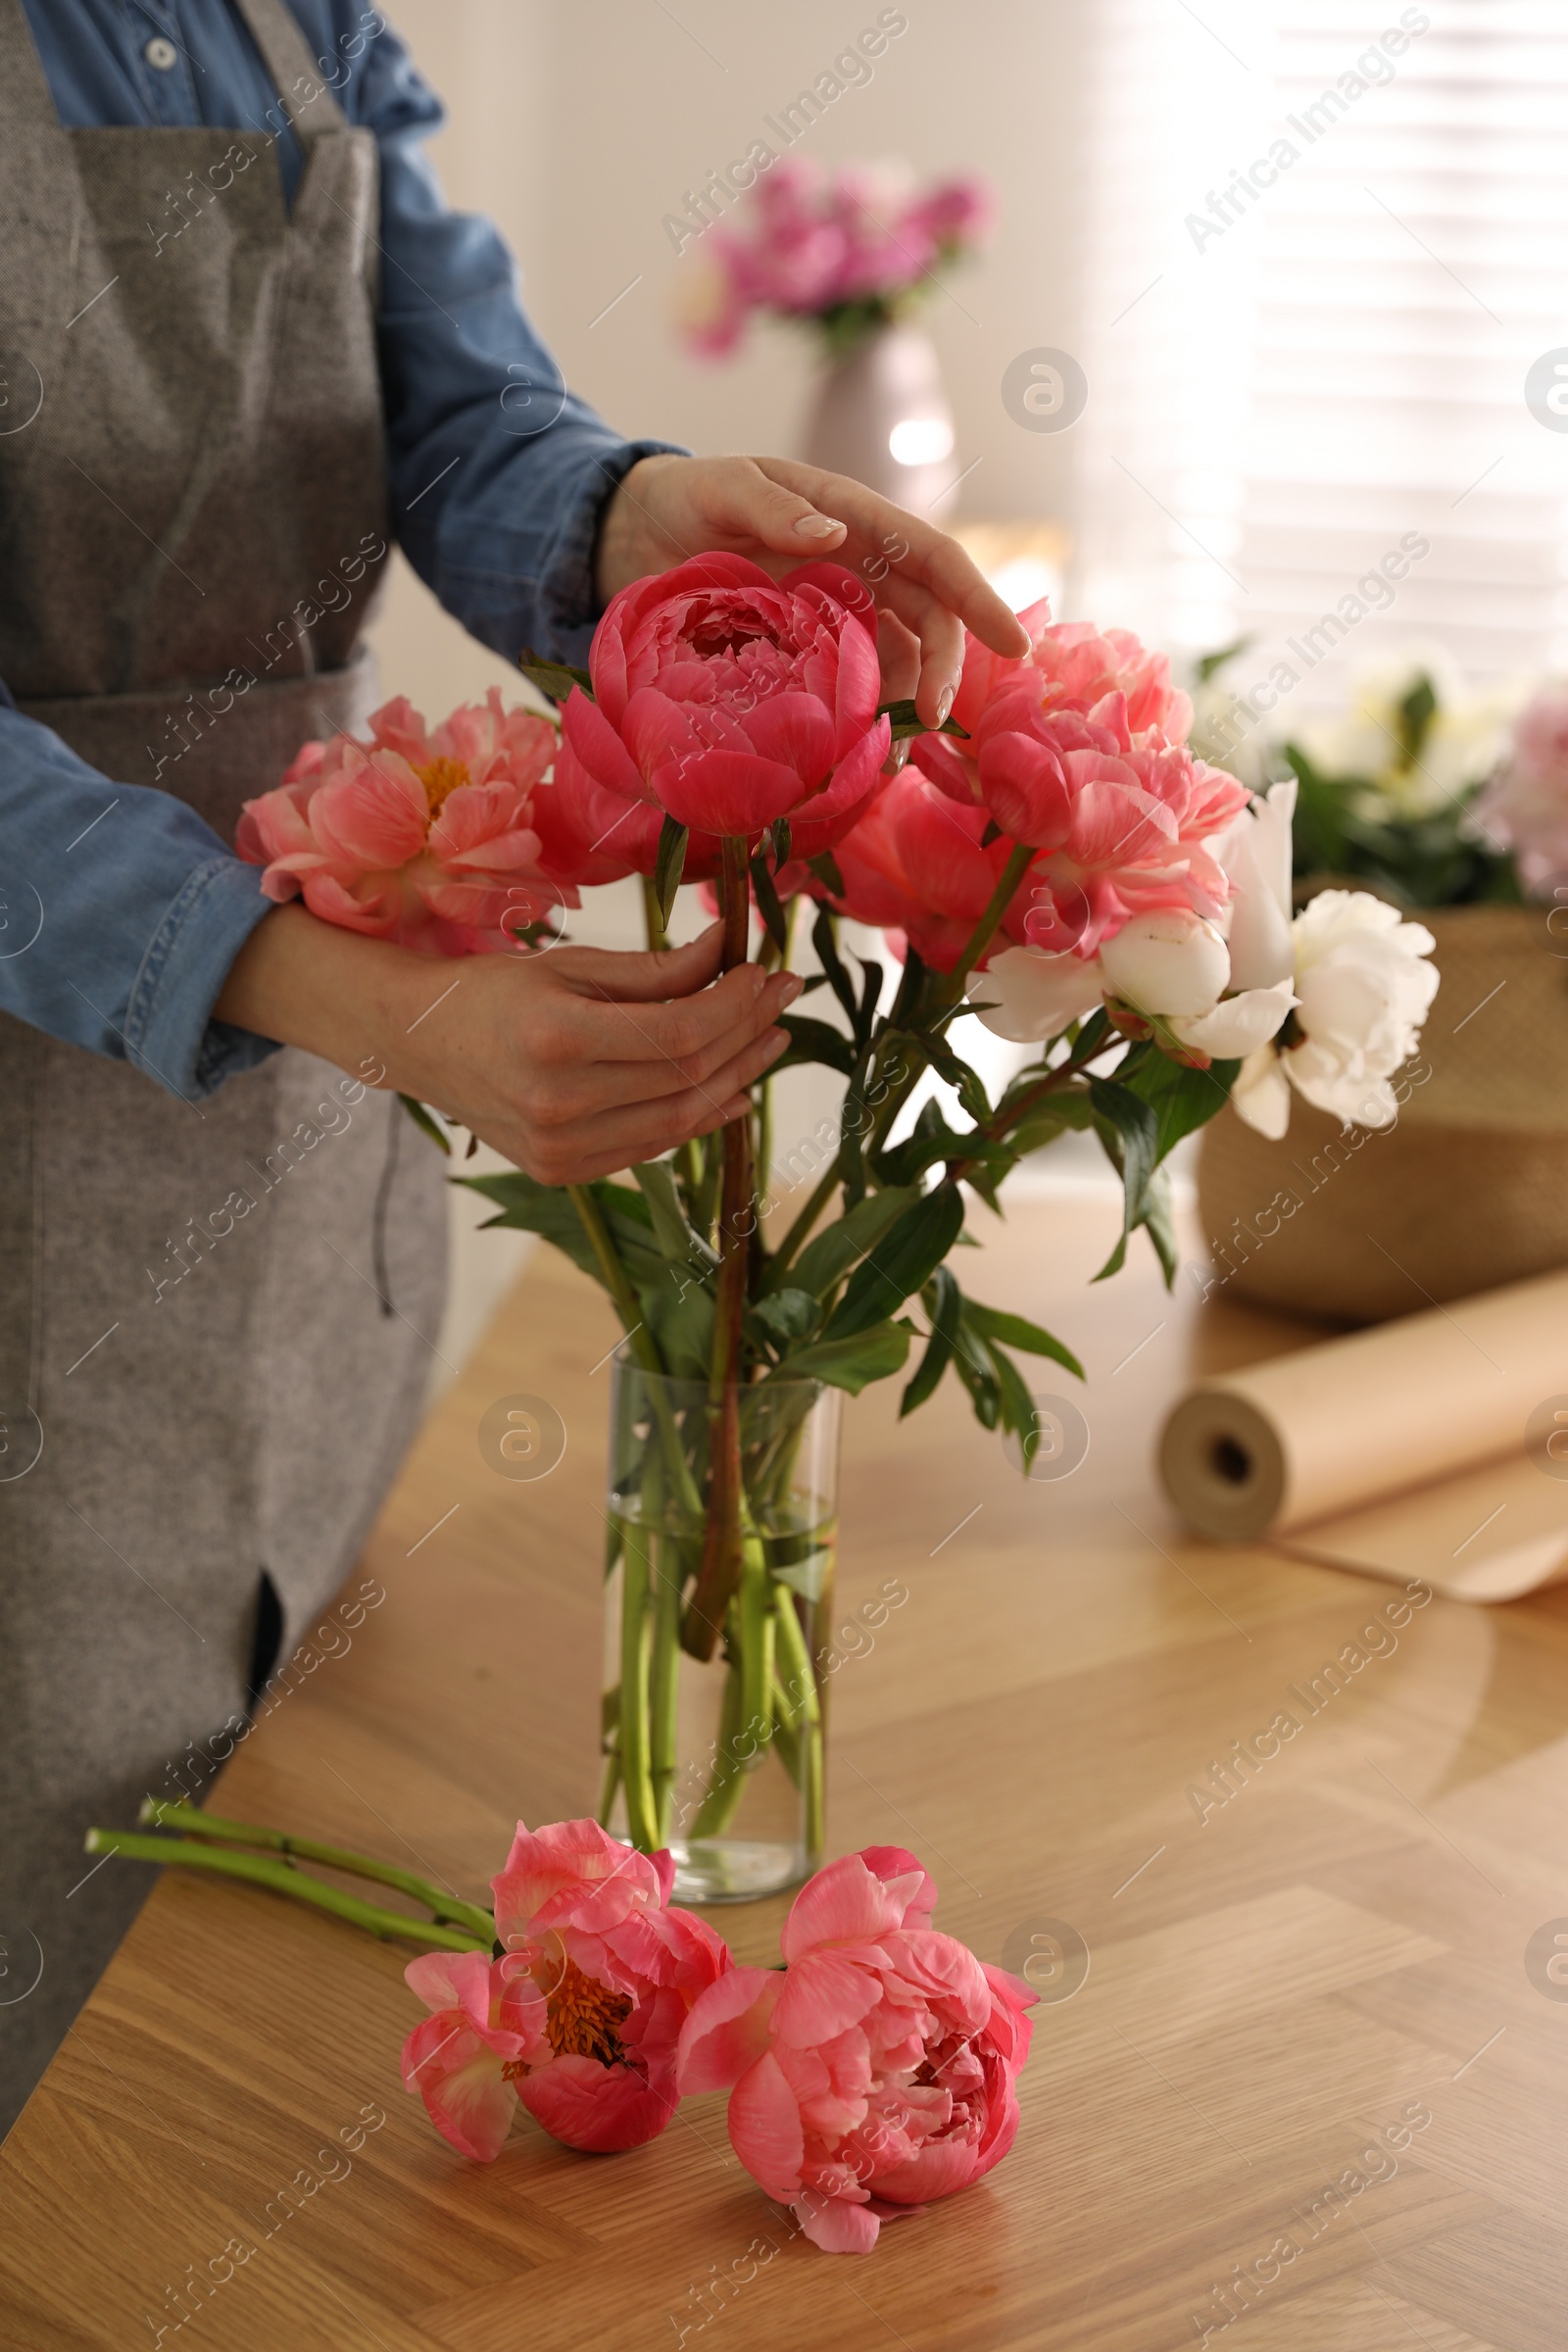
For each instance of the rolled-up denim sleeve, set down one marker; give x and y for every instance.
(121, 914)
(498, 474)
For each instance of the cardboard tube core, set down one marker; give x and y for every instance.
(1223, 1464)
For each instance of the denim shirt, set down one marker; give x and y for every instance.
(117, 934)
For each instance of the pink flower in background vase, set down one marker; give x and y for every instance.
(421, 836)
(1524, 808)
(581, 2018)
(877, 2069)
(856, 245)
(725, 699)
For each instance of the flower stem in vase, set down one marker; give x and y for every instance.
(720, 1572)
(636, 1764)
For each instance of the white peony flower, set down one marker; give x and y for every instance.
(1238, 1025)
(1462, 744)
(1169, 960)
(1255, 853)
(1364, 990)
(1036, 996)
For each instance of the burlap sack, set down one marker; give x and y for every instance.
(1469, 1189)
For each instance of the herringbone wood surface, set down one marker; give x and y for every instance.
(1270, 1988)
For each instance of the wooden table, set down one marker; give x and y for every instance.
(1271, 1988)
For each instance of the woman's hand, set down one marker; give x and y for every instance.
(571, 1063)
(781, 514)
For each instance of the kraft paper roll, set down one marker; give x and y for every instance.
(1424, 1447)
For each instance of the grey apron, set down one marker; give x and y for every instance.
(216, 1317)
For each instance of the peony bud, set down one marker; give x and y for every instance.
(1167, 962)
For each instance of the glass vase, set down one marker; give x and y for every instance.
(719, 1756)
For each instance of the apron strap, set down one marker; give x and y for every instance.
(38, 176)
(295, 71)
(25, 92)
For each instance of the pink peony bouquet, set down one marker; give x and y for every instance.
(846, 250)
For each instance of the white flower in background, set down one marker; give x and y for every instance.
(1364, 990)
(1463, 742)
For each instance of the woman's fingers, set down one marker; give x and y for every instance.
(930, 555)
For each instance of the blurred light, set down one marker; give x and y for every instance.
(1024, 581)
(920, 441)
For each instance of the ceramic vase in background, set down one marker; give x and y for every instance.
(880, 415)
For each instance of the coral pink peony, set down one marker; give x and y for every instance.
(419, 836)
(581, 2018)
(727, 700)
(1076, 750)
(876, 2071)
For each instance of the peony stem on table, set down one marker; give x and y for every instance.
(282, 1878)
(720, 1571)
(191, 1822)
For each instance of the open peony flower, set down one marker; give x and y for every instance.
(1364, 990)
(579, 2018)
(727, 700)
(877, 2071)
(421, 836)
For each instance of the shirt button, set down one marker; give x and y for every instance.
(161, 53)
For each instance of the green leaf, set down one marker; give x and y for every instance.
(427, 1123)
(824, 940)
(974, 1370)
(1130, 1133)
(679, 1312)
(767, 902)
(870, 997)
(780, 832)
(900, 1263)
(1181, 1098)
(1014, 1331)
(670, 863)
(1159, 1224)
(814, 1041)
(1053, 1117)
(906, 724)
(993, 832)
(548, 1209)
(826, 1259)
(1015, 1407)
(825, 867)
(942, 1301)
(789, 1314)
(965, 1082)
(850, 1360)
(1213, 662)
(555, 678)
(656, 1180)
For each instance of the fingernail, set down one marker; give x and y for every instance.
(758, 979)
(793, 985)
(944, 703)
(775, 1040)
(817, 526)
(901, 753)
